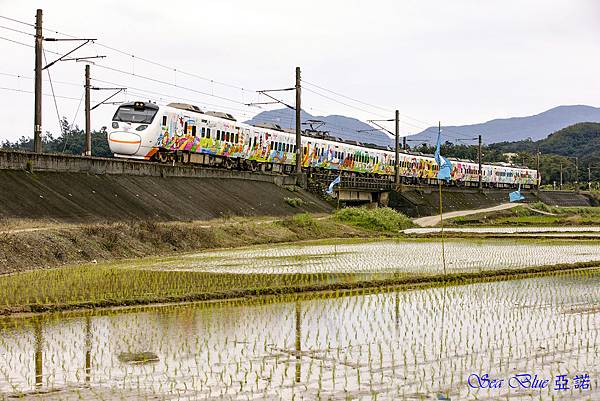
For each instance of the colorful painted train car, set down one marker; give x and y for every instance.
(184, 133)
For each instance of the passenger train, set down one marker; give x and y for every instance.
(183, 133)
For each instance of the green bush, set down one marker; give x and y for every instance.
(379, 219)
(294, 202)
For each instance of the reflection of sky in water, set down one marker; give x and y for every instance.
(386, 256)
(385, 343)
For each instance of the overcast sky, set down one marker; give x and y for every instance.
(459, 61)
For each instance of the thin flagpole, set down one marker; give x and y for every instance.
(441, 211)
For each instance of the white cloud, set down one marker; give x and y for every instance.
(460, 61)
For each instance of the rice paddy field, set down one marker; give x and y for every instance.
(533, 338)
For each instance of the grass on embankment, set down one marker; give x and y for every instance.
(380, 219)
(62, 245)
(537, 214)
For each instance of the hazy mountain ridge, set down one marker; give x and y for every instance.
(536, 127)
(512, 129)
(337, 125)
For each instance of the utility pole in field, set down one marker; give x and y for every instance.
(397, 150)
(561, 177)
(589, 177)
(88, 132)
(37, 119)
(479, 162)
(576, 174)
(539, 176)
(298, 124)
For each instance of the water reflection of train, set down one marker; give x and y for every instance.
(183, 133)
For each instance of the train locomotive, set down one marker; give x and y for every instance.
(183, 133)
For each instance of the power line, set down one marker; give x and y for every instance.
(348, 97)
(425, 126)
(17, 21)
(31, 92)
(167, 83)
(24, 44)
(170, 68)
(16, 30)
(45, 80)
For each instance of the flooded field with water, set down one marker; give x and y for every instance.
(400, 256)
(420, 344)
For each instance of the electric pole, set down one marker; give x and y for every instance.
(88, 133)
(37, 120)
(298, 129)
(397, 150)
(479, 162)
(404, 143)
(561, 177)
(576, 174)
(539, 175)
(589, 178)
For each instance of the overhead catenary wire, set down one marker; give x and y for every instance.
(31, 92)
(53, 95)
(218, 82)
(17, 21)
(16, 30)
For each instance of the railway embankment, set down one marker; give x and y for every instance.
(72, 189)
(421, 202)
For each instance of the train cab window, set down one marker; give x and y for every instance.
(164, 120)
(185, 127)
(194, 131)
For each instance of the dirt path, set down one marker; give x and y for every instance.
(431, 221)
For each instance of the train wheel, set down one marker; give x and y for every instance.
(162, 157)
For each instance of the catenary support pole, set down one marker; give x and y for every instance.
(299, 152)
(88, 132)
(37, 119)
(479, 162)
(397, 150)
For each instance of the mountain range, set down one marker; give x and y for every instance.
(533, 127)
(348, 128)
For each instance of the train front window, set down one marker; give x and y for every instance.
(143, 114)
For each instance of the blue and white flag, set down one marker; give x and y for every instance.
(334, 183)
(516, 195)
(445, 165)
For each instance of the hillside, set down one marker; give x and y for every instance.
(340, 126)
(535, 127)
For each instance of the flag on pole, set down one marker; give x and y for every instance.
(334, 183)
(516, 195)
(445, 165)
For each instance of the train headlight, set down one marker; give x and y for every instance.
(115, 124)
(141, 128)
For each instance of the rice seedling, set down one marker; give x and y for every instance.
(365, 344)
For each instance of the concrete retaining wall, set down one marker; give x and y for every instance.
(15, 160)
